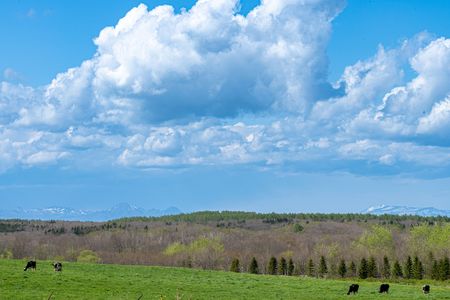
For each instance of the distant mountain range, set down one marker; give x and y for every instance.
(121, 210)
(405, 210)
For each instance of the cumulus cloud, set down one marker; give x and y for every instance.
(211, 86)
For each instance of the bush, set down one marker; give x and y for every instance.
(6, 254)
(298, 228)
(88, 256)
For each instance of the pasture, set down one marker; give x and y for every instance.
(102, 281)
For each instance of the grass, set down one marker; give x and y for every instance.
(92, 281)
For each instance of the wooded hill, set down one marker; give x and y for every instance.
(309, 244)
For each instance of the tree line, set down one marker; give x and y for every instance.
(218, 216)
(366, 268)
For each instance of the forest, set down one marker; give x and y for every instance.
(316, 245)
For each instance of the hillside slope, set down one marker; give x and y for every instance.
(91, 281)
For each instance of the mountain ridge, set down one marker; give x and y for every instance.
(406, 210)
(121, 210)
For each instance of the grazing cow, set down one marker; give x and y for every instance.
(426, 289)
(57, 266)
(384, 288)
(353, 288)
(30, 265)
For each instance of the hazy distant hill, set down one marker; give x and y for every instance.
(405, 210)
(121, 210)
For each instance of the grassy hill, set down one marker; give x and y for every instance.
(97, 281)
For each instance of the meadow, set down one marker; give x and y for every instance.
(108, 281)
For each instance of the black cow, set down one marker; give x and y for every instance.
(426, 289)
(30, 265)
(353, 288)
(57, 266)
(384, 288)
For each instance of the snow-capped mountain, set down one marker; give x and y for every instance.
(405, 210)
(69, 214)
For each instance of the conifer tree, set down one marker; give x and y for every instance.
(342, 269)
(417, 269)
(352, 268)
(372, 271)
(444, 269)
(235, 266)
(253, 268)
(407, 269)
(386, 271)
(272, 267)
(397, 270)
(290, 267)
(435, 270)
(323, 269)
(311, 268)
(363, 272)
(283, 266)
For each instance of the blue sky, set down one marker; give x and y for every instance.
(282, 105)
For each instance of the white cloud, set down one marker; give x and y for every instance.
(209, 86)
(437, 121)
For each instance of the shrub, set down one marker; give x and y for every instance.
(6, 254)
(88, 256)
(298, 228)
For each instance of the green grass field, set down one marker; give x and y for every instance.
(91, 281)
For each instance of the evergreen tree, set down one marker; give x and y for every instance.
(397, 270)
(417, 269)
(290, 268)
(235, 266)
(272, 267)
(352, 268)
(363, 272)
(253, 268)
(407, 269)
(447, 268)
(386, 272)
(435, 270)
(323, 269)
(311, 268)
(444, 269)
(283, 266)
(372, 271)
(342, 269)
